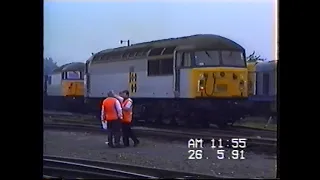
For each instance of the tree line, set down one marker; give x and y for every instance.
(49, 65)
(253, 57)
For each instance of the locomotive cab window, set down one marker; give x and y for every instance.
(206, 58)
(73, 75)
(178, 60)
(186, 61)
(233, 58)
(183, 59)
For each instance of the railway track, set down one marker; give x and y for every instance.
(266, 146)
(91, 120)
(71, 168)
(256, 140)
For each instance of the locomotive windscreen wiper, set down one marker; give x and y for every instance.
(208, 55)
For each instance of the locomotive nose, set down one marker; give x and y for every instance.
(222, 82)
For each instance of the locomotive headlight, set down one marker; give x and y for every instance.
(201, 82)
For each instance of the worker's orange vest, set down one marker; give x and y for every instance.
(127, 114)
(110, 110)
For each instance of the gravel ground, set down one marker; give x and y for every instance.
(160, 154)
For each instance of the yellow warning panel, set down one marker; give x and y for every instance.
(133, 88)
(132, 83)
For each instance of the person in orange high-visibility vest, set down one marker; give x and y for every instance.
(127, 132)
(111, 112)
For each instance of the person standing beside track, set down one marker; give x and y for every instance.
(127, 105)
(111, 112)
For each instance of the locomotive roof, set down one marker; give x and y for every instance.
(74, 66)
(90, 59)
(200, 41)
(59, 69)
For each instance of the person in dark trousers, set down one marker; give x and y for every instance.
(127, 132)
(111, 112)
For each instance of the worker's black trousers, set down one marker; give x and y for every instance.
(128, 133)
(114, 131)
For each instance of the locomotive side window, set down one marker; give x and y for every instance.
(160, 67)
(153, 67)
(233, 58)
(207, 58)
(166, 66)
(265, 88)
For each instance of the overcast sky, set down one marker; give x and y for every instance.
(72, 30)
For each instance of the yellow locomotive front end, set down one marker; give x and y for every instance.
(73, 90)
(220, 82)
(219, 74)
(72, 84)
(65, 89)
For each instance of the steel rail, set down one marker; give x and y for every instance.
(82, 168)
(65, 169)
(251, 141)
(89, 118)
